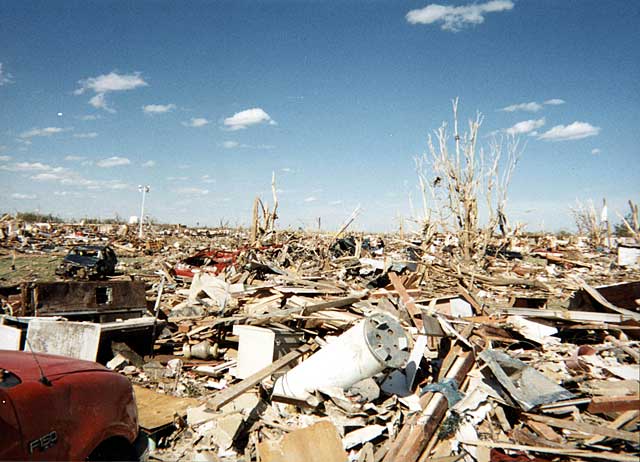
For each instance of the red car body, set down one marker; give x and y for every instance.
(209, 261)
(80, 411)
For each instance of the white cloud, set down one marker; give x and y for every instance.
(5, 158)
(207, 179)
(67, 193)
(529, 107)
(21, 196)
(85, 135)
(310, 199)
(28, 167)
(246, 118)
(113, 162)
(158, 108)
(338, 202)
(287, 170)
(106, 83)
(230, 144)
(596, 151)
(575, 131)
(5, 77)
(455, 18)
(177, 178)
(191, 191)
(554, 102)
(111, 82)
(99, 102)
(49, 177)
(89, 117)
(47, 131)
(196, 122)
(74, 158)
(526, 126)
(149, 164)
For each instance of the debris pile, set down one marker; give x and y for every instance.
(312, 347)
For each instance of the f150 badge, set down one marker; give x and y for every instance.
(44, 442)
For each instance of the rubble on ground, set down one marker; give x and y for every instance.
(529, 354)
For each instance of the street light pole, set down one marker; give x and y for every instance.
(144, 190)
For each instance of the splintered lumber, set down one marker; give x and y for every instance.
(239, 388)
(605, 404)
(416, 432)
(620, 421)
(558, 451)
(407, 300)
(586, 428)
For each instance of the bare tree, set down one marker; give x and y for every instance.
(456, 173)
(587, 222)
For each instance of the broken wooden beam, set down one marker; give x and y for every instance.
(239, 388)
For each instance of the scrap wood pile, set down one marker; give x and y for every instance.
(376, 349)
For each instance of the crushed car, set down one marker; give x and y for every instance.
(88, 262)
(60, 408)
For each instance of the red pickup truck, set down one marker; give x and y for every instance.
(59, 408)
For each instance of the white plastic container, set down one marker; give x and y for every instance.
(366, 349)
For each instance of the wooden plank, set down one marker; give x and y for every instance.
(569, 315)
(619, 422)
(589, 429)
(407, 300)
(559, 451)
(319, 442)
(605, 404)
(155, 410)
(239, 388)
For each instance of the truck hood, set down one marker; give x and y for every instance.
(23, 364)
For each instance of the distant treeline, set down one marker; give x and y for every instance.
(35, 217)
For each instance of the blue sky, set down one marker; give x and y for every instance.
(203, 100)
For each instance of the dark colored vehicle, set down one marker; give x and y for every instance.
(59, 408)
(89, 262)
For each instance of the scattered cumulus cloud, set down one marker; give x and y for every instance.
(89, 117)
(526, 126)
(191, 191)
(247, 118)
(113, 162)
(338, 202)
(47, 131)
(74, 158)
(20, 196)
(85, 135)
(107, 83)
(5, 158)
(5, 77)
(158, 108)
(456, 18)
(28, 167)
(533, 106)
(149, 164)
(230, 144)
(528, 107)
(177, 178)
(310, 199)
(196, 122)
(287, 170)
(207, 179)
(66, 193)
(575, 131)
(596, 151)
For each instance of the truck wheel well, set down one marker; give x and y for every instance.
(114, 448)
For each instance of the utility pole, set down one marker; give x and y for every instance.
(144, 190)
